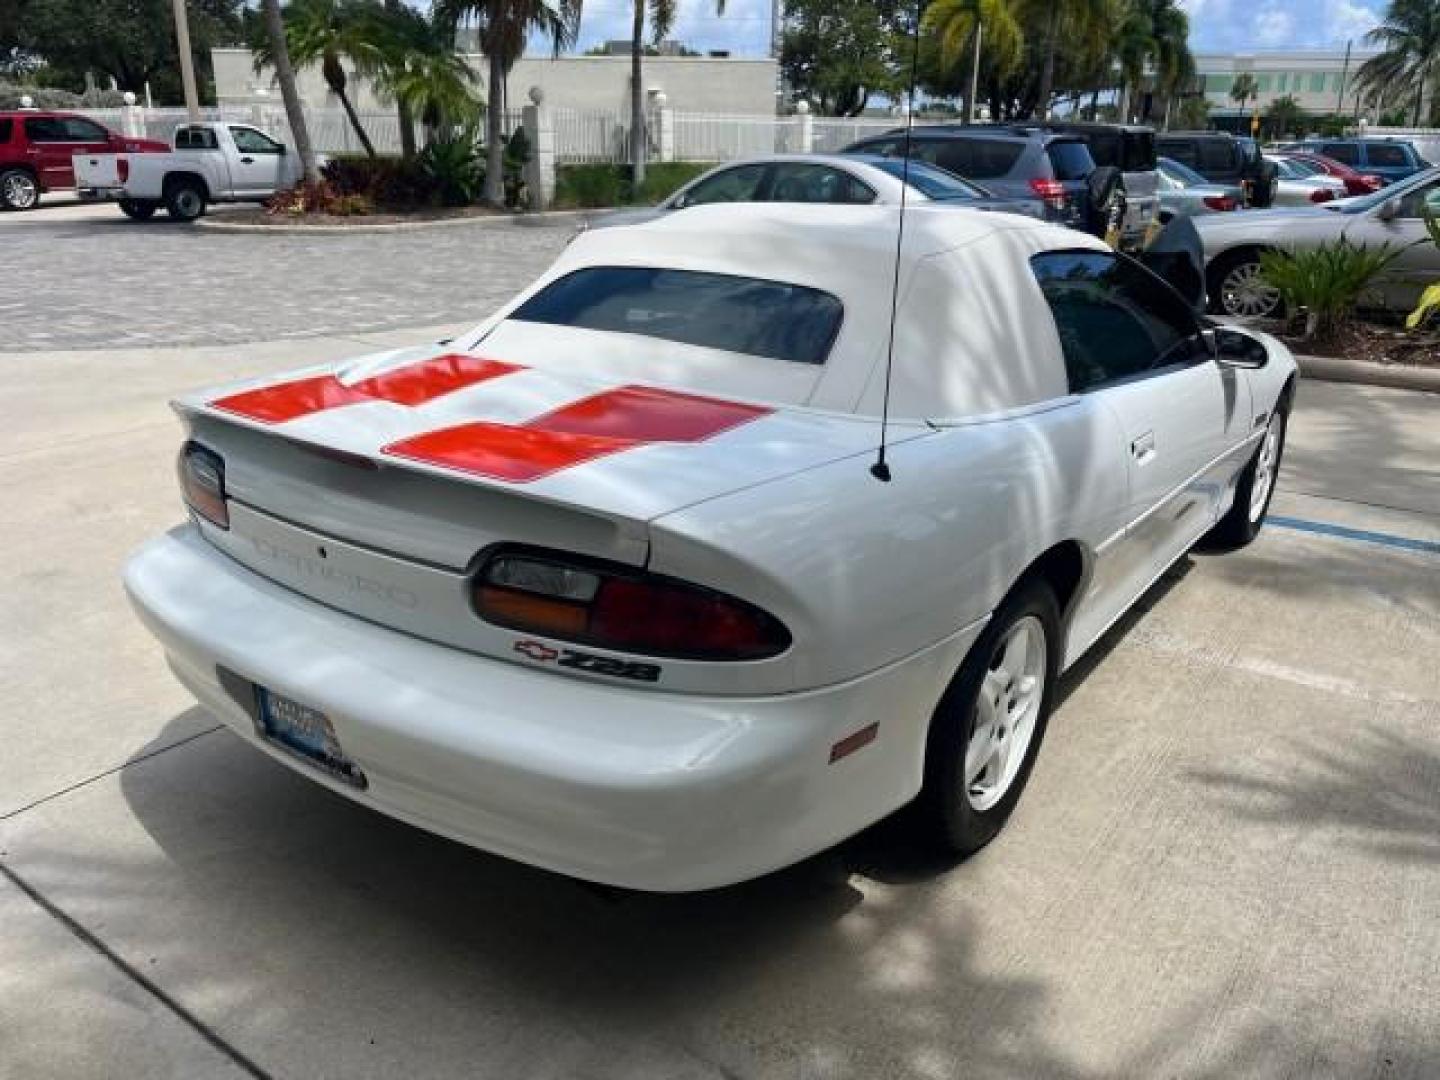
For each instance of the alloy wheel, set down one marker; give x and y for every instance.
(1265, 468)
(1006, 710)
(20, 191)
(1244, 292)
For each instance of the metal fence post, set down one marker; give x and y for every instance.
(664, 121)
(807, 127)
(539, 125)
(132, 118)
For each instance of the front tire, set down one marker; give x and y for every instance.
(1254, 490)
(185, 200)
(1238, 289)
(19, 190)
(987, 729)
(138, 209)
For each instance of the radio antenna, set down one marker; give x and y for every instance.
(881, 469)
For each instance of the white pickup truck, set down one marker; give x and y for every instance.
(210, 162)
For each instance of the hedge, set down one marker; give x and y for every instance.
(585, 187)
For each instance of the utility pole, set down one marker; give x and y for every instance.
(187, 61)
(975, 72)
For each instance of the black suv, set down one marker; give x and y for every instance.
(1047, 169)
(1221, 157)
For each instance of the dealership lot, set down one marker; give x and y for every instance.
(1227, 864)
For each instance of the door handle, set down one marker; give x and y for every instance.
(247, 161)
(1142, 447)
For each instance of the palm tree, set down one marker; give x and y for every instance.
(1285, 116)
(504, 27)
(662, 18)
(1410, 62)
(1084, 23)
(1153, 33)
(1244, 88)
(285, 76)
(327, 32)
(422, 73)
(955, 23)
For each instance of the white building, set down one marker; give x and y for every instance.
(693, 84)
(1320, 81)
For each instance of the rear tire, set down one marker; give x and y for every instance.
(19, 190)
(1254, 490)
(987, 729)
(184, 200)
(139, 209)
(1236, 289)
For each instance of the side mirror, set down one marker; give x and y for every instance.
(1389, 210)
(1231, 348)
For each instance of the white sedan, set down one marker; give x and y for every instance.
(613, 584)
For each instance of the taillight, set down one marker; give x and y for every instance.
(1052, 191)
(1372, 183)
(1219, 202)
(593, 603)
(202, 483)
(122, 169)
(1323, 194)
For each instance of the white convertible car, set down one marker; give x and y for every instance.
(608, 585)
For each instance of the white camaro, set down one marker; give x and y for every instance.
(608, 586)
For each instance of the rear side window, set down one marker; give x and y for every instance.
(1387, 154)
(1139, 151)
(1116, 320)
(797, 182)
(194, 139)
(1182, 150)
(740, 184)
(1346, 153)
(78, 129)
(44, 129)
(7, 128)
(716, 311)
(1070, 160)
(973, 159)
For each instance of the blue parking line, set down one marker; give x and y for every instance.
(1365, 536)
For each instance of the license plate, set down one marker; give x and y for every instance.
(304, 732)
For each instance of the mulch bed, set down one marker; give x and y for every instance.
(1373, 342)
(259, 216)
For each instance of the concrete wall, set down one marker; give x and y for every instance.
(1314, 78)
(693, 84)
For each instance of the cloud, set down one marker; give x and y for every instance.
(1222, 26)
(1274, 27)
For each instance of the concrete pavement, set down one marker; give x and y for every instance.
(1227, 863)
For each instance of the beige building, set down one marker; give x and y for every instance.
(692, 84)
(1320, 81)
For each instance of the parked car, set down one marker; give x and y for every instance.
(1392, 215)
(1131, 149)
(609, 585)
(1047, 170)
(36, 148)
(1389, 159)
(1356, 183)
(210, 163)
(1223, 159)
(849, 179)
(1185, 193)
(1301, 184)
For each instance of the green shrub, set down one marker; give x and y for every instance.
(391, 182)
(583, 187)
(1327, 282)
(452, 165)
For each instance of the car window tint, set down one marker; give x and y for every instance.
(741, 184)
(44, 129)
(1386, 154)
(7, 128)
(931, 181)
(890, 147)
(1139, 151)
(250, 141)
(974, 159)
(1181, 150)
(197, 138)
(716, 311)
(1070, 160)
(1116, 320)
(1414, 201)
(1217, 155)
(79, 130)
(1106, 148)
(1346, 153)
(795, 182)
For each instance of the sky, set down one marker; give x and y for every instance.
(1216, 25)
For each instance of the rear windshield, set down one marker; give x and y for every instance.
(716, 311)
(931, 182)
(1107, 148)
(1218, 155)
(974, 159)
(1070, 160)
(1139, 151)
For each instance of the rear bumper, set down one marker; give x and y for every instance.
(94, 194)
(640, 789)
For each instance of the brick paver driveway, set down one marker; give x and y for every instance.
(74, 283)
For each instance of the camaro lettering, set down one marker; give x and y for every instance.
(306, 567)
(583, 661)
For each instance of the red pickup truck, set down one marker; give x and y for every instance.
(36, 148)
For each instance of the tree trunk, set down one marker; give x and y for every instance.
(1047, 73)
(406, 118)
(637, 98)
(494, 141)
(285, 75)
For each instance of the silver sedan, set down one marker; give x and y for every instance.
(1302, 184)
(1185, 193)
(1394, 216)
